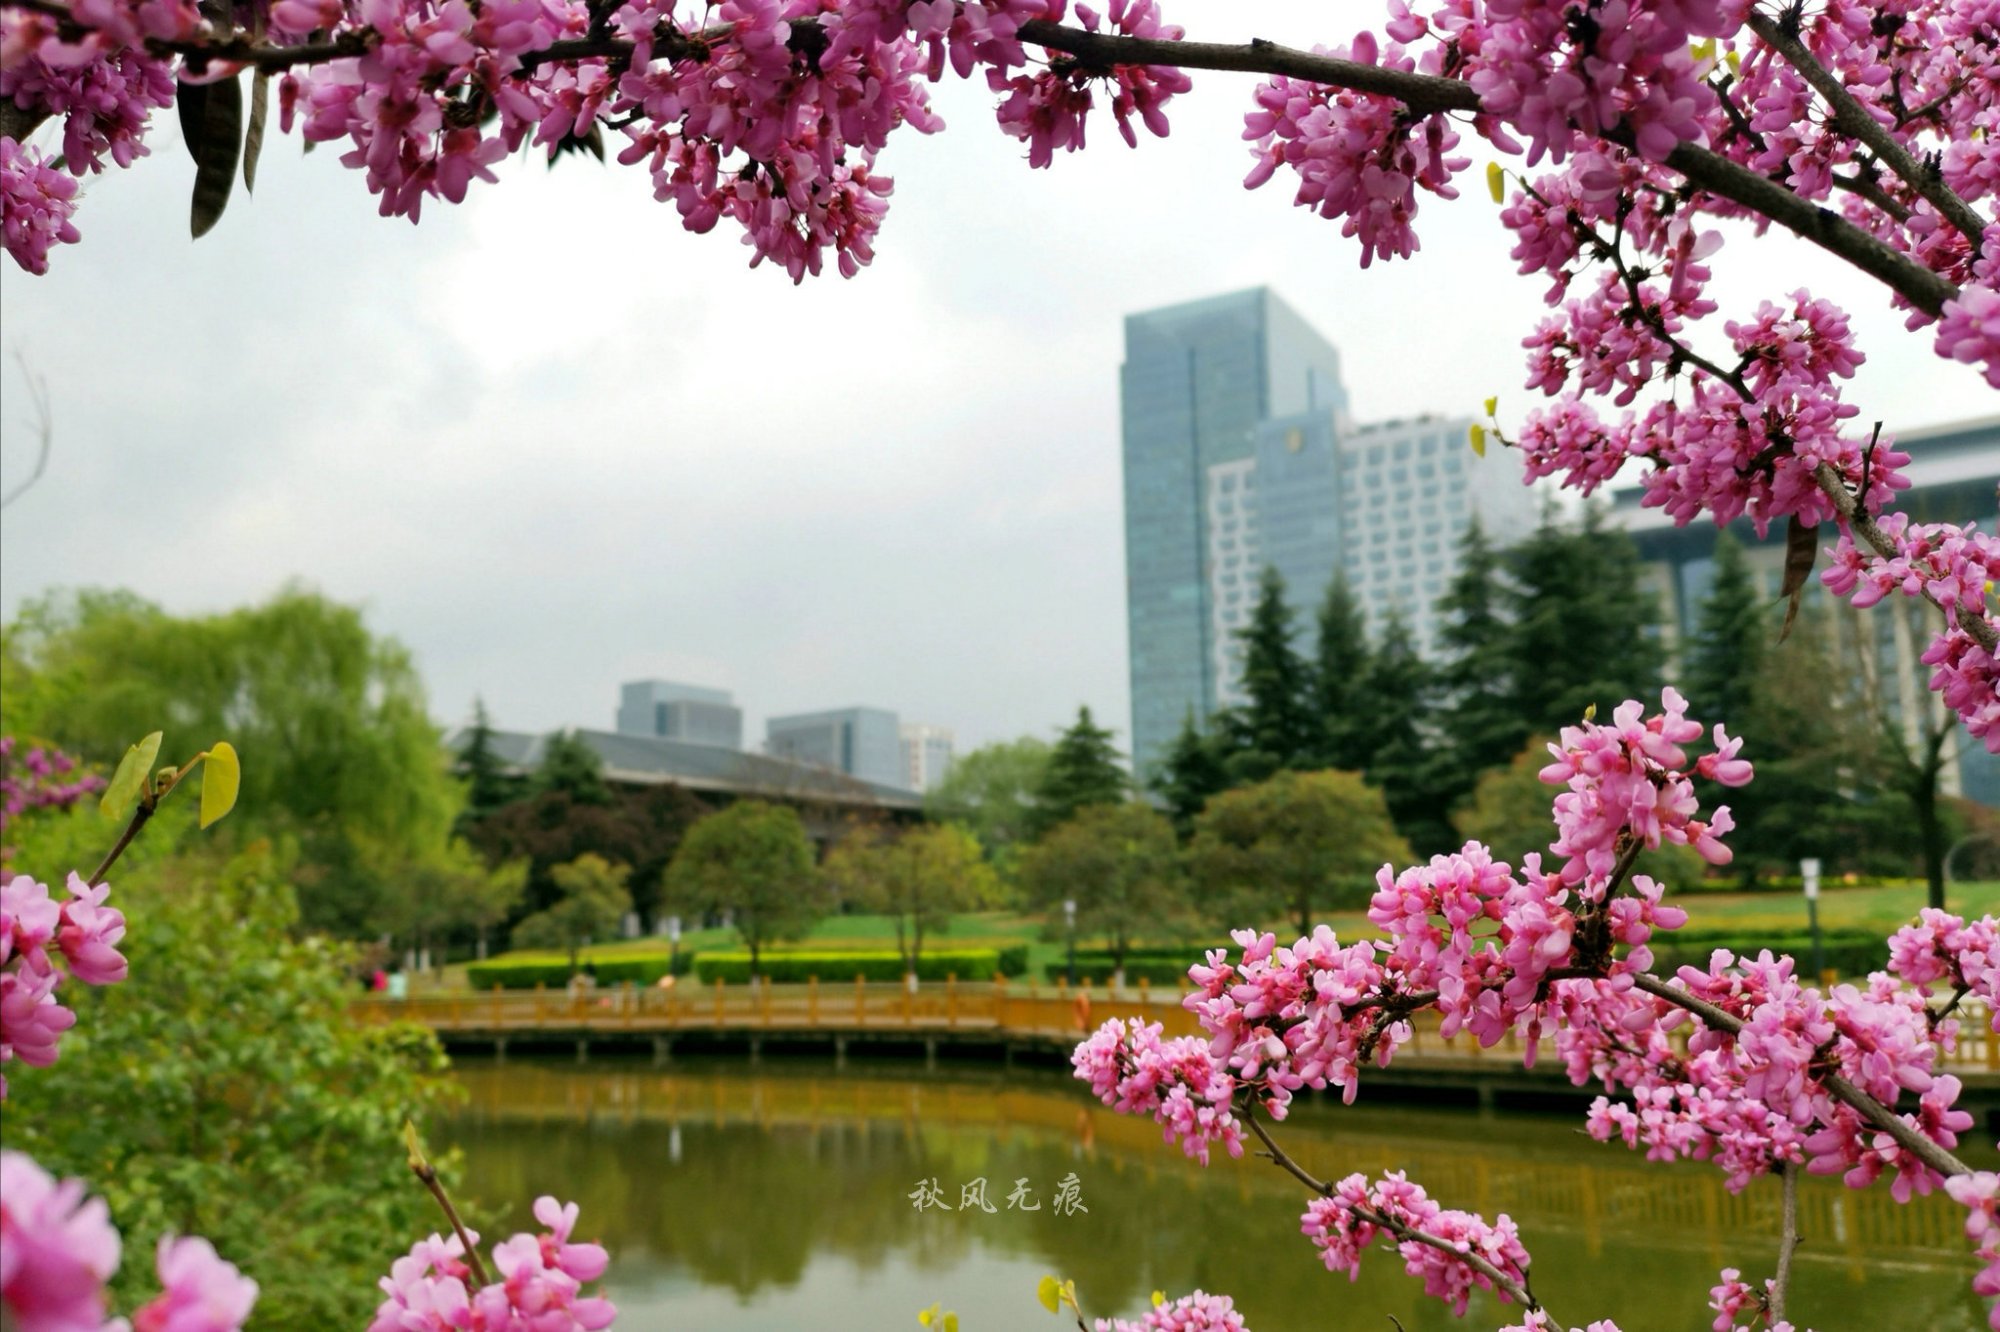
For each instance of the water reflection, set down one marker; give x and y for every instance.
(748, 1199)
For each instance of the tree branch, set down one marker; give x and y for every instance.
(1870, 1109)
(1515, 1291)
(1788, 1242)
(1853, 119)
(1978, 627)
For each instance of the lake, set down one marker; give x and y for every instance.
(749, 1198)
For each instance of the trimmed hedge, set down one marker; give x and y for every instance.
(970, 964)
(1851, 952)
(526, 974)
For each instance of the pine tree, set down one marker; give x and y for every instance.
(1392, 706)
(1083, 770)
(1729, 651)
(487, 784)
(1273, 730)
(572, 767)
(1190, 774)
(1478, 724)
(1340, 661)
(1583, 629)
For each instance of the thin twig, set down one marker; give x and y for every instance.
(1788, 1242)
(38, 396)
(1853, 119)
(139, 818)
(427, 1172)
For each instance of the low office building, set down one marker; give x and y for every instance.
(692, 714)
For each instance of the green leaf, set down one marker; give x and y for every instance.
(130, 779)
(253, 137)
(212, 121)
(1496, 182)
(221, 778)
(1478, 434)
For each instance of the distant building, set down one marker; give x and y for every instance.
(1954, 477)
(861, 742)
(1239, 453)
(688, 713)
(926, 755)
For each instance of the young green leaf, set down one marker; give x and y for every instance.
(221, 777)
(130, 779)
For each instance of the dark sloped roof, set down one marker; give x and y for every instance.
(645, 760)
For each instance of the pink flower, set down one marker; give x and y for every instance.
(203, 1293)
(57, 1249)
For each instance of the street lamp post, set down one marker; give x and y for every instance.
(1069, 921)
(1809, 873)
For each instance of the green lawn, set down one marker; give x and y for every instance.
(1874, 908)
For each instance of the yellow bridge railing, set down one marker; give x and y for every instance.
(936, 1008)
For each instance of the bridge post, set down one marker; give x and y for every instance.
(499, 1049)
(756, 1049)
(930, 1054)
(840, 1052)
(663, 1051)
(583, 1049)
(1007, 1055)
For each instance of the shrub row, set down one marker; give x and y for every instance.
(525, 974)
(968, 964)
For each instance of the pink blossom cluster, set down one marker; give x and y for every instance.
(1047, 107)
(36, 202)
(1177, 1082)
(541, 1276)
(1343, 1225)
(1979, 1194)
(1733, 1297)
(1939, 946)
(105, 102)
(37, 778)
(1358, 157)
(1197, 1312)
(1952, 566)
(83, 930)
(58, 1249)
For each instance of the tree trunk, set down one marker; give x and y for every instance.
(1931, 828)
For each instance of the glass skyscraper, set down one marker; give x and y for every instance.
(1197, 382)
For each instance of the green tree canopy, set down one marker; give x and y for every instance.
(487, 784)
(920, 878)
(223, 1089)
(641, 828)
(1581, 631)
(992, 792)
(1190, 773)
(1392, 710)
(330, 720)
(1120, 864)
(1341, 660)
(1082, 770)
(1734, 631)
(754, 861)
(1294, 845)
(573, 768)
(449, 891)
(1275, 727)
(592, 901)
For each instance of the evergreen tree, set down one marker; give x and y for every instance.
(1193, 771)
(1582, 631)
(1083, 770)
(1341, 660)
(1728, 652)
(1391, 708)
(1274, 730)
(487, 785)
(1475, 679)
(573, 768)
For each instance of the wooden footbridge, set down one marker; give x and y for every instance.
(1001, 1021)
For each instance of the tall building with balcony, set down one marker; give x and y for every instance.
(1239, 453)
(862, 742)
(690, 713)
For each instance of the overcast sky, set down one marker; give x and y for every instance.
(552, 442)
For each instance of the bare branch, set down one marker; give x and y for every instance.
(1853, 120)
(38, 395)
(1788, 1241)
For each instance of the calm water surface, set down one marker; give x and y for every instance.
(754, 1199)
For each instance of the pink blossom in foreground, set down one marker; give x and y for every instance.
(1978, 1193)
(82, 930)
(36, 202)
(1196, 1312)
(203, 1293)
(1345, 1225)
(57, 1249)
(539, 1287)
